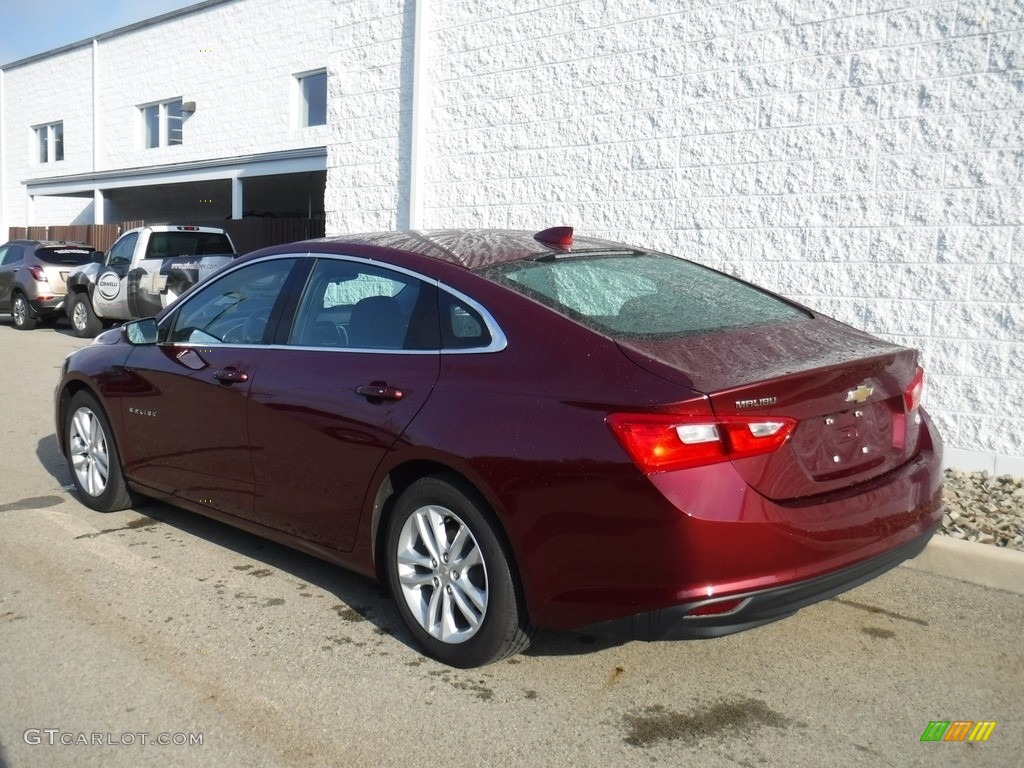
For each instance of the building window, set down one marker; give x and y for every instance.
(312, 98)
(161, 124)
(50, 142)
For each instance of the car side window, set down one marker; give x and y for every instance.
(234, 309)
(462, 327)
(121, 251)
(353, 305)
(12, 254)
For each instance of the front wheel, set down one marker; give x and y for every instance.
(92, 456)
(22, 314)
(452, 576)
(84, 322)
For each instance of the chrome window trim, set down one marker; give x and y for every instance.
(498, 339)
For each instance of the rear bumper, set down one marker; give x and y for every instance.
(52, 306)
(758, 607)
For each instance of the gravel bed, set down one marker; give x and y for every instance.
(985, 508)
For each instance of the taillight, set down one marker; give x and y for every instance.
(912, 394)
(664, 442)
(37, 273)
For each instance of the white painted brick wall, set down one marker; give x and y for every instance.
(369, 115)
(865, 157)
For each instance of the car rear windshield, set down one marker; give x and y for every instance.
(169, 245)
(643, 295)
(65, 254)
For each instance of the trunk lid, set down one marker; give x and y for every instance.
(844, 387)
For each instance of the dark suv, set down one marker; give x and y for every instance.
(33, 276)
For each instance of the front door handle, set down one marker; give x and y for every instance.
(231, 375)
(380, 391)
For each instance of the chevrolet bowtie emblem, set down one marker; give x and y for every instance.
(860, 394)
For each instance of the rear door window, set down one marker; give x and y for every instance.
(643, 295)
(354, 305)
(13, 253)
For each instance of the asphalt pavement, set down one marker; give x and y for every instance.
(122, 631)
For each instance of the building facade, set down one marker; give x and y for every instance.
(865, 157)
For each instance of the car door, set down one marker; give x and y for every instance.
(185, 415)
(11, 257)
(111, 295)
(360, 361)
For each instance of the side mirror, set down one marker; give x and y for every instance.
(140, 332)
(98, 256)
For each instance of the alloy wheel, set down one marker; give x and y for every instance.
(442, 574)
(90, 456)
(20, 310)
(79, 316)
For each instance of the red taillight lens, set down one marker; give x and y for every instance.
(912, 394)
(38, 274)
(664, 442)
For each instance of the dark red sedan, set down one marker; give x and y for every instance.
(518, 430)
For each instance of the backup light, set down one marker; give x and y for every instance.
(693, 434)
(765, 428)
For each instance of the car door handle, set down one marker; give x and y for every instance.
(231, 376)
(380, 391)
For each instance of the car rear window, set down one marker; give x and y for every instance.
(65, 254)
(643, 295)
(169, 245)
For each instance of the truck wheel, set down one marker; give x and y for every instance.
(22, 314)
(84, 322)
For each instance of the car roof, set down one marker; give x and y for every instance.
(49, 243)
(472, 248)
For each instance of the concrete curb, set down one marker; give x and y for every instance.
(981, 564)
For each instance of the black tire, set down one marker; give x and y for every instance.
(84, 322)
(89, 443)
(501, 628)
(22, 313)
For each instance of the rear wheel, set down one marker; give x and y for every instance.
(84, 322)
(92, 456)
(452, 576)
(22, 313)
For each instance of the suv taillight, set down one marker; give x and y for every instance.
(664, 442)
(37, 273)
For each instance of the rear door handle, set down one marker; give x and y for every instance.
(231, 376)
(380, 391)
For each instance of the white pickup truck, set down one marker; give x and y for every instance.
(144, 271)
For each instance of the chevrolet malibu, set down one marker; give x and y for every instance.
(517, 430)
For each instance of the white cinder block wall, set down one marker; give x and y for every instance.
(865, 157)
(369, 115)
